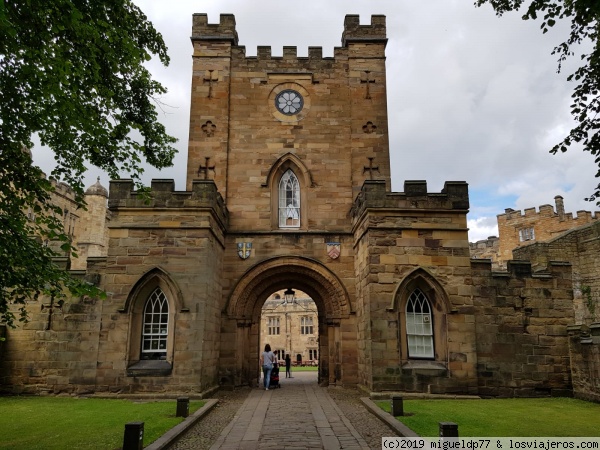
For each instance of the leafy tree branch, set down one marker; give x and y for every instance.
(71, 72)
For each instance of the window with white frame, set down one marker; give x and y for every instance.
(526, 234)
(273, 325)
(312, 354)
(156, 326)
(289, 200)
(306, 325)
(419, 330)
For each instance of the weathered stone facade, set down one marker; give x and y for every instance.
(486, 249)
(295, 195)
(584, 351)
(521, 326)
(581, 247)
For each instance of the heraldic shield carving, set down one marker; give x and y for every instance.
(333, 249)
(244, 249)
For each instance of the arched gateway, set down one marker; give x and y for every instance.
(241, 319)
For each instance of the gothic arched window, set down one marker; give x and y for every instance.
(289, 200)
(155, 328)
(419, 331)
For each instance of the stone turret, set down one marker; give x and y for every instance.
(92, 239)
(355, 32)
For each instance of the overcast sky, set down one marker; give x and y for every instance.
(471, 96)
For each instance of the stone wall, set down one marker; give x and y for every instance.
(584, 350)
(407, 240)
(55, 352)
(173, 240)
(521, 325)
(581, 247)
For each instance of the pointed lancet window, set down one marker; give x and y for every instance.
(289, 200)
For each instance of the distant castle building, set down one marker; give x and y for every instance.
(517, 229)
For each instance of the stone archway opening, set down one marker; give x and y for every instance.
(290, 325)
(242, 319)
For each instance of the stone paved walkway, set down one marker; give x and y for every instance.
(300, 415)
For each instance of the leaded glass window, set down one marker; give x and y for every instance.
(289, 200)
(419, 331)
(156, 326)
(273, 325)
(306, 325)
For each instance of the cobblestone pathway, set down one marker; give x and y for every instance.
(300, 415)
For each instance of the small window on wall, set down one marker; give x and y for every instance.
(526, 234)
(419, 331)
(273, 325)
(289, 200)
(312, 354)
(156, 326)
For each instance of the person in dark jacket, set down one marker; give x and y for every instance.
(288, 366)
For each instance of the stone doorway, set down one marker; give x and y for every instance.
(240, 336)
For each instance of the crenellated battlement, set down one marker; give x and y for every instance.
(520, 269)
(546, 210)
(162, 194)
(355, 32)
(454, 196)
(290, 53)
(224, 30)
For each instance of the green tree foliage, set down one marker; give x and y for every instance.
(585, 107)
(71, 72)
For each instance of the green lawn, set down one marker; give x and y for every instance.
(81, 423)
(503, 417)
(300, 369)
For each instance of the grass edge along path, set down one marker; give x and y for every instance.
(525, 417)
(83, 423)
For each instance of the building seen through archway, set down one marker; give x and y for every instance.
(290, 325)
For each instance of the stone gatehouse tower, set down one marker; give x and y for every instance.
(288, 186)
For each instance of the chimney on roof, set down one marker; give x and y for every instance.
(560, 207)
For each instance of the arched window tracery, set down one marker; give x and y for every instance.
(289, 200)
(419, 329)
(155, 328)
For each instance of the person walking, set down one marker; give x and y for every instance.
(288, 366)
(267, 359)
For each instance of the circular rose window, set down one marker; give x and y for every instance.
(289, 102)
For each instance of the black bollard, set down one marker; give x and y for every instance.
(183, 407)
(397, 406)
(448, 432)
(133, 438)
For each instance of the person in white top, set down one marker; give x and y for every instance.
(267, 360)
